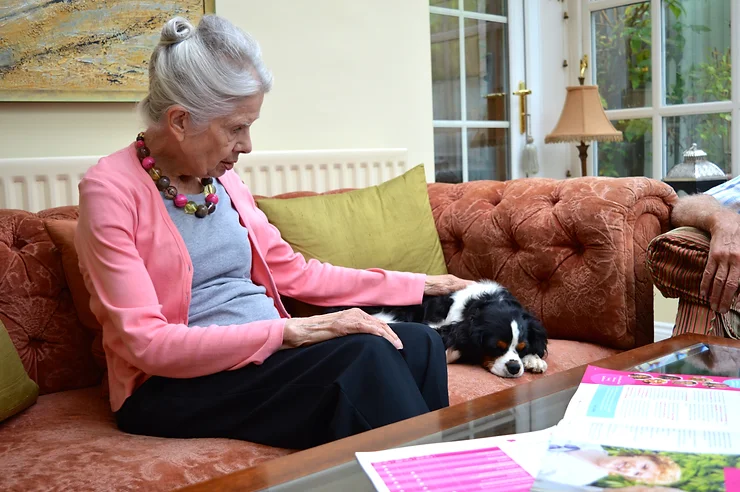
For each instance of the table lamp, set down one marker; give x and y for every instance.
(583, 119)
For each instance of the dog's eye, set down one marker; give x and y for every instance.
(521, 346)
(502, 345)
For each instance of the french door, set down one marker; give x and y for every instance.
(477, 49)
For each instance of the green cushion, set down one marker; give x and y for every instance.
(17, 390)
(388, 226)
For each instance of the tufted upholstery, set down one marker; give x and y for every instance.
(36, 305)
(573, 251)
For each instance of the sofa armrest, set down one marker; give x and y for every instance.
(676, 261)
(573, 251)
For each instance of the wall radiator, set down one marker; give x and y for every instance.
(39, 183)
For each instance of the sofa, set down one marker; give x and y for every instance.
(573, 251)
(676, 262)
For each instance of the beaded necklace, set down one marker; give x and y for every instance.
(170, 192)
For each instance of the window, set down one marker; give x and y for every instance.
(471, 89)
(664, 71)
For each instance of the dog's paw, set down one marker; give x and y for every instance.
(452, 355)
(533, 363)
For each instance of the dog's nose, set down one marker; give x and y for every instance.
(513, 367)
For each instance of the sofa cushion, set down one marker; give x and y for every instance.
(70, 439)
(36, 306)
(17, 390)
(386, 226)
(469, 382)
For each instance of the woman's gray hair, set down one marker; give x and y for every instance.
(206, 70)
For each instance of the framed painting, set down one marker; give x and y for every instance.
(83, 50)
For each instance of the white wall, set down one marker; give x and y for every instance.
(348, 74)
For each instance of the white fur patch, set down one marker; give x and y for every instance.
(452, 355)
(533, 363)
(461, 297)
(385, 317)
(499, 366)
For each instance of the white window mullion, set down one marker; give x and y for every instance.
(658, 85)
(471, 124)
(463, 96)
(735, 124)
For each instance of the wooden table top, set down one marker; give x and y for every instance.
(307, 462)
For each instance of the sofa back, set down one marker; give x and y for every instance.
(573, 251)
(36, 306)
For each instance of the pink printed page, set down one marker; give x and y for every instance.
(460, 471)
(732, 479)
(609, 377)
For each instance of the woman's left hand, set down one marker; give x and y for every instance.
(438, 285)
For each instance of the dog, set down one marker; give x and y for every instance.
(482, 324)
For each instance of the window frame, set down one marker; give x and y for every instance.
(659, 109)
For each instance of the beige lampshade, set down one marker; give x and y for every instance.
(583, 118)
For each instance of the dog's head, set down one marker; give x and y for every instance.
(501, 333)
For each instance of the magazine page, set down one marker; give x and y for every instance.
(572, 465)
(668, 412)
(494, 463)
(646, 432)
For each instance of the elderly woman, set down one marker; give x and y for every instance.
(185, 275)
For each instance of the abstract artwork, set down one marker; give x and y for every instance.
(83, 50)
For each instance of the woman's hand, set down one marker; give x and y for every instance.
(308, 331)
(438, 285)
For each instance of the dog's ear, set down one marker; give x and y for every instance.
(536, 335)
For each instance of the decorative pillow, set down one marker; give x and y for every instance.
(62, 233)
(17, 390)
(388, 226)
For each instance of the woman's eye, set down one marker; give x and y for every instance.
(238, 129)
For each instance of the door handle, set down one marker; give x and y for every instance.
(495, 94)
(523, 92)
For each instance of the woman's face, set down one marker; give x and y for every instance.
(213, 151)
(640, 468)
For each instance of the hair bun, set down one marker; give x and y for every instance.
(176, 30)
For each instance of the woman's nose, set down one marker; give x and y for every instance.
(244, 145)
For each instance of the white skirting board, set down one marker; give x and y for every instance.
(39, 183)
(662, 330)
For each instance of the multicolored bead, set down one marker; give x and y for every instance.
(147, 162)
(211, 208)
(212, 198)
(191, 207)
(201, 211)
(155, 173)
(206, 181)
(170, 193)
(163, 183)
(209, 189)
(140, 143)
(180, 200)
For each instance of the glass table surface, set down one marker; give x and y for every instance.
(538, 414)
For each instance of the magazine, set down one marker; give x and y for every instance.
(646, 431)
(633, 431)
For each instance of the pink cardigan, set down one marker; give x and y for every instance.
(139, 273)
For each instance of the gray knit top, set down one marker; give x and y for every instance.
(222, 291)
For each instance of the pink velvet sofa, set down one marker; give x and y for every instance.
(573, 251)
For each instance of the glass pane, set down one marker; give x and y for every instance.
(495, 7)
(697, 51)
(622, 60)
(486, 70)
(445, 67)
(450, 4)
(711, 132)
(633, 156)
(448, 155)
(488, 154)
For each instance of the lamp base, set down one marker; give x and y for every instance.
(583, 155)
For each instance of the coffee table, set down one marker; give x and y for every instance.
(523, 408)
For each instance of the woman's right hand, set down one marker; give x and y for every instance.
(308, 331)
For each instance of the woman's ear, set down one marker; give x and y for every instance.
(178, 122)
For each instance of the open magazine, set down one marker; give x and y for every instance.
(646, 431)
(622, 430)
